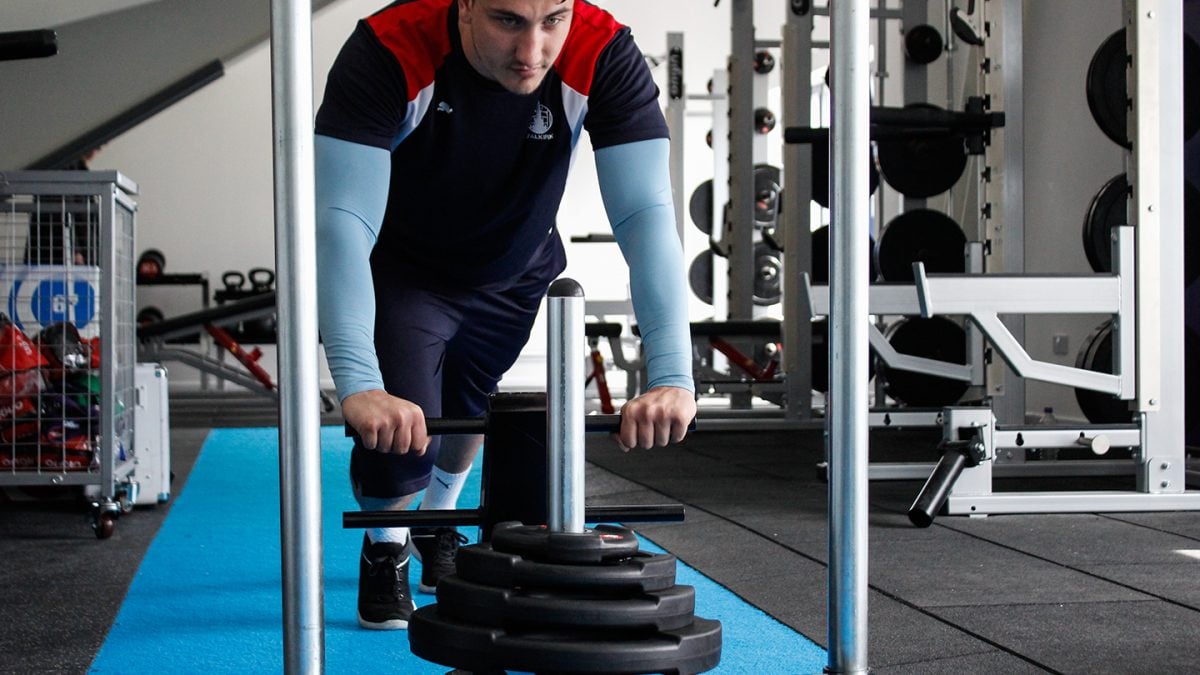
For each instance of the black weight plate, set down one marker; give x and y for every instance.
(820, 356)
(1108, 209)
(642, 572)
(435, 638)
(593, 545)
(700, 207)
(820, 174)
(1106, 89)
(532, 609)
(923, 44)
(821, 255)
(920, 235)
(768, 275)
(1097, 356)
(700, 276)
(922, 167)
(935, 338)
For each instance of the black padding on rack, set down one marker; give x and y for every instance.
(732, 328)
(28, 44)
(257, 303)
(602, 329)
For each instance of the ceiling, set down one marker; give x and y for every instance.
(30, 14)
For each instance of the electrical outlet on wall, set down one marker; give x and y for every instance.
(1061, 344)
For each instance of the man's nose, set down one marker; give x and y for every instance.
(529, 47)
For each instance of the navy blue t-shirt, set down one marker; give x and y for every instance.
(478, 172)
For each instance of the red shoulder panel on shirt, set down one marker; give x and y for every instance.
(416, 33)
(592, 29)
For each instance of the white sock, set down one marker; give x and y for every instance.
(391, 535)
(444, 488)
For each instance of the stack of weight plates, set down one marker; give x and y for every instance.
(538, 601)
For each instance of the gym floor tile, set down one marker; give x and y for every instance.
(64, 586)
(809, 527)
(1184, 524)
(675, 459)
(899, 634)
(976, 573)
(717, 547)
(902, 634)
(1123, 637)
(727, 496)
(1077, 539)
(793, 592)
(1176, 582)
(987, 663)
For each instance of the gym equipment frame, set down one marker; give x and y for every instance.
(1144, 295)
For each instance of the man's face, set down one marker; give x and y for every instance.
(514, 42)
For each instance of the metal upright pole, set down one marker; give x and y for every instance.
(740, 228)
(299, 416)
(795, 219)
(676, 115)
(564, 418)
(849, 316)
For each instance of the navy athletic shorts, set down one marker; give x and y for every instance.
(445, 350)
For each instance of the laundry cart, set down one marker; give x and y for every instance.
(68, 338)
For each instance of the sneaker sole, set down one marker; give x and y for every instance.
(390, 624)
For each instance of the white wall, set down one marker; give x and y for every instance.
(204, 165)
(1067, 160)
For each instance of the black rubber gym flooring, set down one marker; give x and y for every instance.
(1087, 593)
(1090, 593)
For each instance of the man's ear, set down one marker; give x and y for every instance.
(464, 10)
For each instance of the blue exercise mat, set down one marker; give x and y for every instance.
(207, 597)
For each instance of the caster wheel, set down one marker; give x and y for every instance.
(104, 525)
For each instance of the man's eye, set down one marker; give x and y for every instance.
(510, 21)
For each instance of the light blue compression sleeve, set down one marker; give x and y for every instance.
(635, 184)
(351, 194)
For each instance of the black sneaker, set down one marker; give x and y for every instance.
(384, 599)
(436, 549)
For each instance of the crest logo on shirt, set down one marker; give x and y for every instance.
(543, 121)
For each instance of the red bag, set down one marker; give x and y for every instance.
(17, 352)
